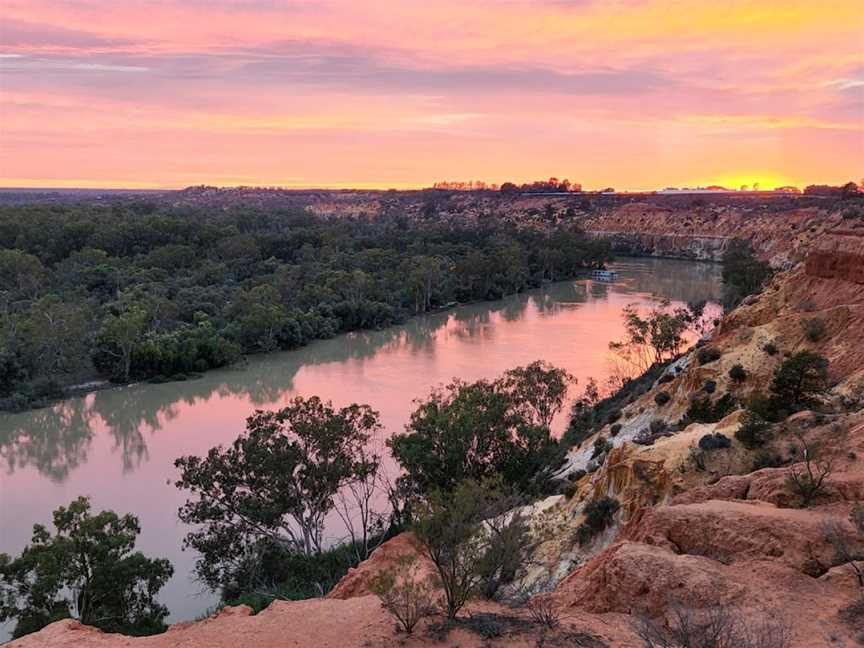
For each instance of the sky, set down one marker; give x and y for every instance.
(633, 94)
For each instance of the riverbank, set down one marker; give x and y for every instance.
(57, 392)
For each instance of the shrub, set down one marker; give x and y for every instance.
(576, 475)
(754, 431)
(661, 398)
(800, 380)
(767, 459)
(599, 514)
(615, 429)
(402, 594)
(808, 482)
(504, 547)
(771, 349)
(710, 386)
(449, 527)
(814, 328)
(666, 378)
(569, 491)
(717, 627)
(738, 373)
(486, 624)
(702, 410)
(743, 273)
(714, 441)
(657, 426)
(613, 416)
(601, 446)
(544, 610)
(707, 355)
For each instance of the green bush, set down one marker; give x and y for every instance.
(707, 355)
(714, 441)
(657, 426)
(743, 273)
(767, 459)
(661, 398)
(800, 381)
(738, 373)
(814, 328)
(599, 514)
(614, 429)
(601, 446)
(771, 349)
(703, 410)
(710, 386)
(754, 431)
(576, 475)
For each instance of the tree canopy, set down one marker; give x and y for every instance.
(482, 429)
(274, 485)
(124, 292)
(743, 273)
(87, 570)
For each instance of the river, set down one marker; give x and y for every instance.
(118, 446)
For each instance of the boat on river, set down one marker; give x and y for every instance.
(604, 275)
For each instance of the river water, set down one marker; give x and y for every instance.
(118, 446)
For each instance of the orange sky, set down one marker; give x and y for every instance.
(636, 94)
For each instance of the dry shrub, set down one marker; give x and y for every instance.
(405, 596)
(716, 627)
(544, 610)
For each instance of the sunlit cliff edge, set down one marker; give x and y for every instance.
(719, 534)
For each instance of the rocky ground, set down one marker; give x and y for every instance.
(698, 530)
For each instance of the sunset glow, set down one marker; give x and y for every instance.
(635, 94)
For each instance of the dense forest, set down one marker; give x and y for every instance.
(135, 290)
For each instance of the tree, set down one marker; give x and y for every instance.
(450, 527)
(87, 570)
(117, 339)
(743, 273)
(654, 339)
(538, 390)
(800, 380)
(274, 485)
(481, 429)
(21, 273)
(808, 481)
(55, 335)
(356, 504)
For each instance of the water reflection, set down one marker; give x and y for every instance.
(55, 441)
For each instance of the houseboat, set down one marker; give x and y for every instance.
(604, 275)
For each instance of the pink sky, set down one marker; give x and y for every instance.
(636, 94)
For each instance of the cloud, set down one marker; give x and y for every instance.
(28, 35)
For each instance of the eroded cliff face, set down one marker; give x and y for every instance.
(700, 532)
(839, 255)
(703, 231)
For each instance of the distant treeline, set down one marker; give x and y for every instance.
(137, 291)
